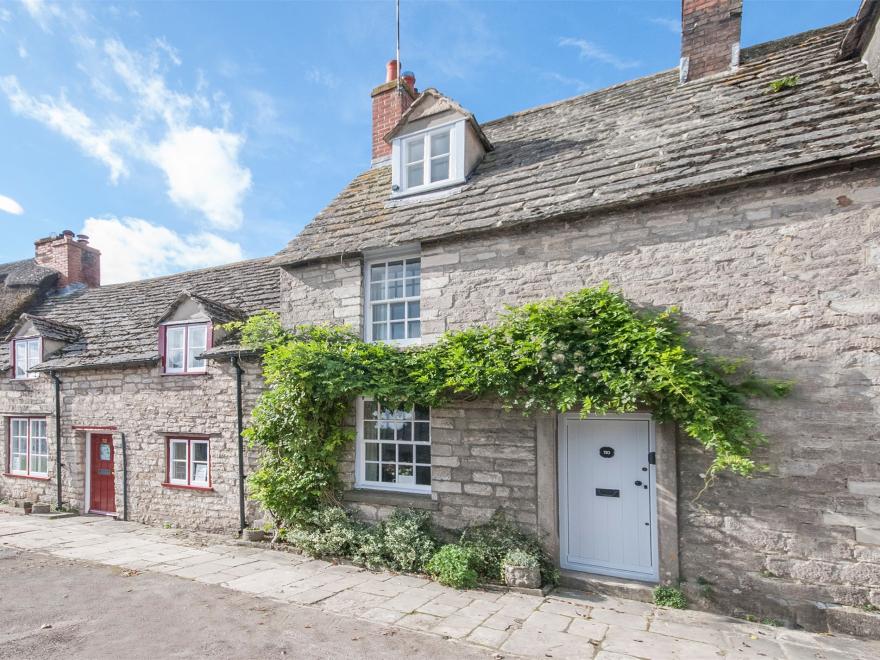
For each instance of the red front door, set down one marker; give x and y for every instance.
(103, 490)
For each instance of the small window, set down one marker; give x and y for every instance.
(394, 300)
(183, 343)
(394, 447)
(28, 447)
(189, 463)
(26, 354)
(427, 159)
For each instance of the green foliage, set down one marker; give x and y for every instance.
(666, 596)
(370, 551)
(786, 82)
(452, 565)
(491, 542)
(519, 559)
(589, 349)
(330, 532)
(407, 539)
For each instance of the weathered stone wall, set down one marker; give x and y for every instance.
(785, 274)
(147, 407)
(326, 292)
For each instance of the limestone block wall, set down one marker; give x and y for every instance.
(326, 292)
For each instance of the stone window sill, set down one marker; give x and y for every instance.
(204, 489)
(25, 476)
(387, 498)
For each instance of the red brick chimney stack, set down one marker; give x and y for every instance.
(710, 37)
(72, 257)
(390, 101)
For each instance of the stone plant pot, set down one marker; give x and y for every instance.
(518, 576)
(40, 508)
(254, 535)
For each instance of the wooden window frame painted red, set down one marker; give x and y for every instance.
(163, 347)
(12, 344)
(189, 440)
(8, 472)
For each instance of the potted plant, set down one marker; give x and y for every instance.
(521, 569)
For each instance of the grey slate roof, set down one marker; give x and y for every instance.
(216, 311)
(24, 273)
(48, 328)
(631, 143)
(117, 320)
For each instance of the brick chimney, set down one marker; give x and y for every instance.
(390, 101)
(72, 256)
(710, 35)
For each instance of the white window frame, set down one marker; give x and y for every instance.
(29, 453)
(385, 258)
(360, 457)
(187, 326)
(27, 342)
(190, 461)
(399, 185)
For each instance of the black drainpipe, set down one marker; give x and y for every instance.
(57, 381)
(242, 523)
(124, 478)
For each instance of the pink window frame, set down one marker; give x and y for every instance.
(12, 352)
(27, 474)
(163, 341)
(189, 484)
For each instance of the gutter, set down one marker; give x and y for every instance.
(124, 477)
(58, 464)
(242, 523)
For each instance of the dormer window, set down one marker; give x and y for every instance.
(26, 354)
(184, 342)
(427, 158)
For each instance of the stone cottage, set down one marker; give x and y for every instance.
(145, 390)
(742, 187)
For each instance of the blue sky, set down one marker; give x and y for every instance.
(180, 135)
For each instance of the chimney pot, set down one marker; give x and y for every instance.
(391, 70)
(390, 101)
(410, 79)
(82, 238)
(75, 260)
(68, 233)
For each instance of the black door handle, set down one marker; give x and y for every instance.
(638, 483)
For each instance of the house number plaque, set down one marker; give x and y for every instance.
(606, 452)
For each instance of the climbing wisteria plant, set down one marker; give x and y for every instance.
(590, 350)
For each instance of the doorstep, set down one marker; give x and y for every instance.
(607, 586)
(53, 515)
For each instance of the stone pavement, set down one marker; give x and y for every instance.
(563, 625)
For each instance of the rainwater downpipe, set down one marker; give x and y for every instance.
(242, 523)
(57, 381)
(124, 477)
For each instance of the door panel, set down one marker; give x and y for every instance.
(102, 484)
(606, 497)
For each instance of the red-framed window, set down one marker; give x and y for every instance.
(27, 352)
(28, 447)
(189, 462)
(181, 343)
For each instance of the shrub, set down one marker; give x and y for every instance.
(329, 532)
(370, 550)
(452, 565)
(407, 539)
(520, 559)
(489, 543)
(667, 596)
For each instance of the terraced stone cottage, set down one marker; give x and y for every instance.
(742, 186)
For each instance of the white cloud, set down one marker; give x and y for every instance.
(670, 24)
(579, 85)
(134, 249)
(204, 174)
(5, 15)
(322, 77)
(42, 12)
(9, 205)
(72, 123)
(22, 51)
(589, 50)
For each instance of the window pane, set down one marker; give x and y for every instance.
(370, 431)
(397, 331)
(423, 454)
(423, 476)
(20, 359)
(412, 288)
(397, 311)
(405, 474)
(380, 312)
(395, 289)
(389, 473)
(371, 451)
(395, 270)
(377, 291)
(174, 337)
(415, 329)
(43, 465)
(19, 462)
(371, 410)
(200, 473)
(19, 427)
(200, 451)
(439, 169)
(422, 413)
(372, 472)
(386, 432)
(405, 433)
(415, 150)
(404, 453)
(198, 336)
(38, 427)
(33, 347)
(413, 267)
(178, 470)
(380, 331)
(423, 432)
(178, 450)
(377, 272)
(415, 175)
(440, 143)
(388, 452)
(412, 311)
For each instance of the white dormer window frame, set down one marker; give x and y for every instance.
(27, 352)
(414, 156)
(180, 343)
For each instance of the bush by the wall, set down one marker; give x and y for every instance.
(452, 565)
(407, 539)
